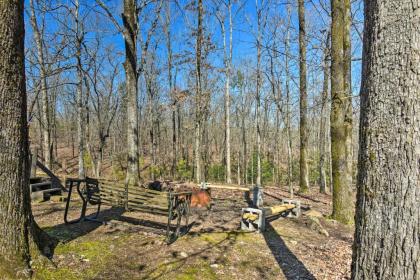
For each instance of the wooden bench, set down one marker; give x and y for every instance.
(175, 206)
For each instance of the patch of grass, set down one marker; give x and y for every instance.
(89, 249)
(96, 255)
(217, 237)
(200, 270)
(162, 269)
(46, 273)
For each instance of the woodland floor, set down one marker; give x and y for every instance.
(131, 245)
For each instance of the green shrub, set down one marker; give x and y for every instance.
(216, 173)
(87, 160)
(183, 170)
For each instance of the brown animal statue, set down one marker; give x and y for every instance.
(200, 199)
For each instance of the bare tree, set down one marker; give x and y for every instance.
(303, 162)
(130, 31)
(257, 90)
(45, 108)
(322, 126)
(171, 88)
(198, 109)
(104, 100)
(341, 113)
(79, 39)
(288, 101)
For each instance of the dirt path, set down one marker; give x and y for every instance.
(131, 245)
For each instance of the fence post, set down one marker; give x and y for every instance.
(34, 158)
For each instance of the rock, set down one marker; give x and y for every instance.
(314, 213)
(315, 224)
(183, 254)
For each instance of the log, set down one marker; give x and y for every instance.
(268, 211)
(278, 209)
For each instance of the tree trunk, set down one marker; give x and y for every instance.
(244, 144)
(387, 238)
(167, 29)
(288, 118)
(198, 105)
(228, 61)
(129, 17)
(20, 237)
(303, 177)
(80, 104)
(45, 115)
(322, 127)
(257, 109)
(341, 114)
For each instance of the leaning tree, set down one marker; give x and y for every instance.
(387, 238)
(20, 237)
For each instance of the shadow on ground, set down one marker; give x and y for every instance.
(111, 217)
(291, 266)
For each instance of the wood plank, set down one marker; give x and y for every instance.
(159, 207)
(132, 190)
(147, 209)
(159, 202)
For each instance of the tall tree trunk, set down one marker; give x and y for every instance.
(257, 109)
(80, 104)
(303, 162)
(20, 237)
(341, 113)
(387, 238)
(322, 127)
(171, 87)
(198, 105)
(130, 22)
(288, 117)
(45, 114)
(244, 144)
(228, 62)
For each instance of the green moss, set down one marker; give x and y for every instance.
(90, 250)
(96, 253)
(52, 274)
(372, 156)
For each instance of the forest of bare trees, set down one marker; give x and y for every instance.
(314, 97)
(191, 109)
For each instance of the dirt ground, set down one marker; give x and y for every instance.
(131, 244)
